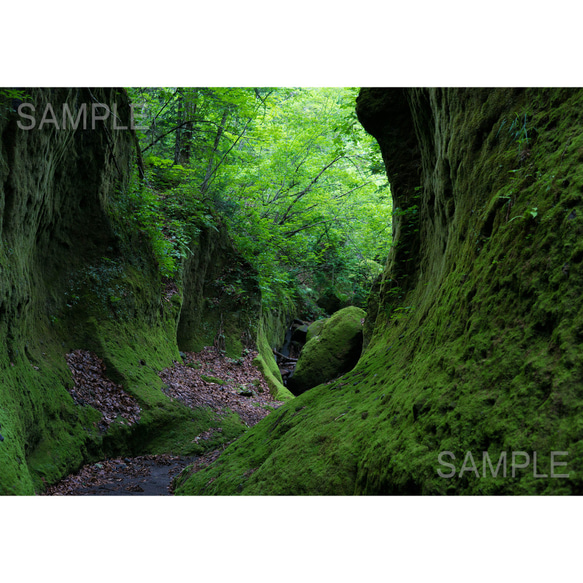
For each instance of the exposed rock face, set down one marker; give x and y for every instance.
(474, 330)
(334, 351)
(54, 186)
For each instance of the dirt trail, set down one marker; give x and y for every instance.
(206, 379)
(147, 475)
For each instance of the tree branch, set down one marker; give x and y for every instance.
(306, 190)
(292, 233)
(165, 134)
(176, 128)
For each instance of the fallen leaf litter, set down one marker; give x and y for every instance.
(92, 387)
(244, 389)
(204, 379)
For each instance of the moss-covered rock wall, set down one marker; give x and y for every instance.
(53, 188)
(222, 301)
(222, 307)
(77, 274)
(474, 330)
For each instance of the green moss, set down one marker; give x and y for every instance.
(271, 331)
(266, 355)
(314, 329)
(45, 433)
(334, 351)
(77, 274)
(473, 340)
(215, 380)
(262, 462)
(176, 431)
(276, 388)
(479, 347)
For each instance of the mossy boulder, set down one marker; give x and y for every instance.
(334, 351)
(314, 329)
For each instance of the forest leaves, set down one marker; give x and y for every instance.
(289, 170)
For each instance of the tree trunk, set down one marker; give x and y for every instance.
(209, 169)
(184, 133)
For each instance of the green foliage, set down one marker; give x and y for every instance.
(170, 218)
(290, 171)
(519, 132)
(100, 284)
(12, 93)
(533, 212)
(11, 98)
(310, 208)
(164, 173)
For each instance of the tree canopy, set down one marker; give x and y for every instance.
(290, 171)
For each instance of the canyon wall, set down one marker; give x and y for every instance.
(471, 379)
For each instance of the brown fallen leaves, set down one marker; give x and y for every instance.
(170, 289)
(244, 390)
(92, 387)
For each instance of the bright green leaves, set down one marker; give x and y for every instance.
(310, 174)
(171, 219)
(165, 173)
(299, 183)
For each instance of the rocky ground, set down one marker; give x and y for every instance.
(207, 378)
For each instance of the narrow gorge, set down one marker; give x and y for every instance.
(469, 376)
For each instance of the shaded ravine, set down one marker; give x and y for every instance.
(286, 356)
